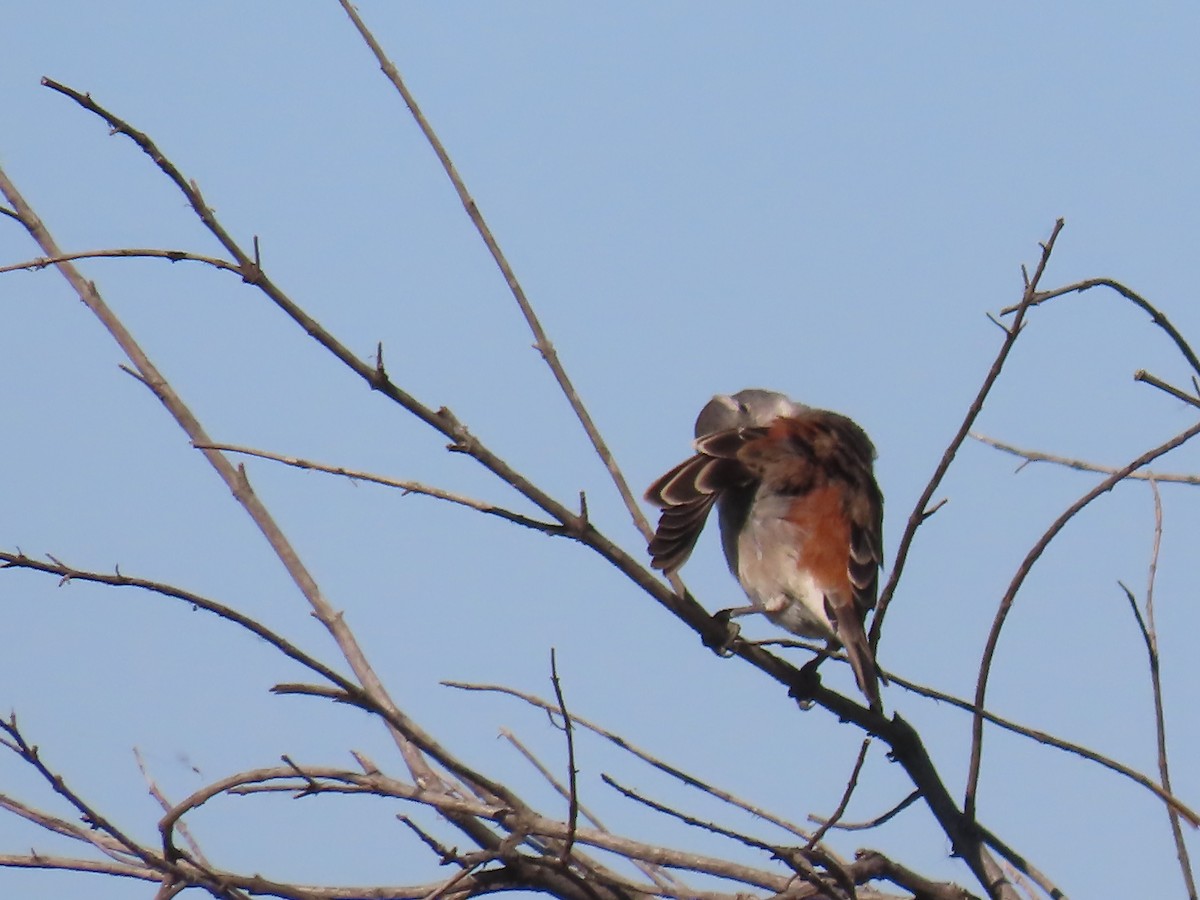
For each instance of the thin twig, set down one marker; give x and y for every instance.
(677, 600)
(409, 487)
(442, 889)
(194, 600)
(70, 864)
(920, 511)
(541, 341)
(1137, 299)
(102, 842)
(351, 690)
(234, 479)
(1079, 464)
(656, 874)
(1010, 594)
(1022, 864)
(703, 824)
(1150, 634)
(166, 805)
(851, 784)
(1154, 381)
(797, 858)
(882, 818)
(572, 772)
(1044, 737)
(91, 816)
(126, 252)
(646, 757)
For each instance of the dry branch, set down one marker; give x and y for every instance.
(1014, 586)
(1080, 464)
(922, 510)
(531, 851)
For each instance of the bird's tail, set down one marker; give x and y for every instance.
(858, 650)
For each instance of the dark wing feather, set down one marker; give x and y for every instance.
(686, 494)
(678, 530)
(852, 458)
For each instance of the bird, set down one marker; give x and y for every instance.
(800, 515)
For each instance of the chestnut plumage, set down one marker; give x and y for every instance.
(801, 516)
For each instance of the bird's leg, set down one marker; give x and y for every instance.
(724, 645)
(808, 682)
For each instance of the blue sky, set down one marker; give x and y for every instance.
(823, 200)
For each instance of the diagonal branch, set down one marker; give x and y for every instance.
(679, 602)
(1154, 381)
(1150, 636)
(985, 665)
(1133, 297)
(1043, 737)
(92, 817)
(235, 479)
(124, 253)
(644, 756)
(542, 343)
(1079, 464)
(409, 487)
(922, 510)
(840, 811)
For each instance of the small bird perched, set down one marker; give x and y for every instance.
(801, 516)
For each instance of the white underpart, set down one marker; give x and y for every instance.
(768, 556)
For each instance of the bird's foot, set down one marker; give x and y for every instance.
(805, 687)
(722, 643)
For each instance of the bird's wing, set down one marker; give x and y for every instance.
(688, 492)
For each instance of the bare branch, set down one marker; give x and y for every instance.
(91, 816)
(1150, 634)
(409, 487)
(624, 744)
(236, 481)
(572, 771)
(1015, 585)
(197, 601)
(1043, 737)
(1137, 299)
(1145, 377)
(659, 876)
(127, 252)
(921, 510)
(712, 827)
(542, 342)
(1079, 464)
(166, 804)
(290, 779)
(678, 601)
(71, 864)
(876, 865)
(851, 784)
(107, 845)
(880, 819)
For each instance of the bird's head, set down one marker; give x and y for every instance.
(751, 408)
